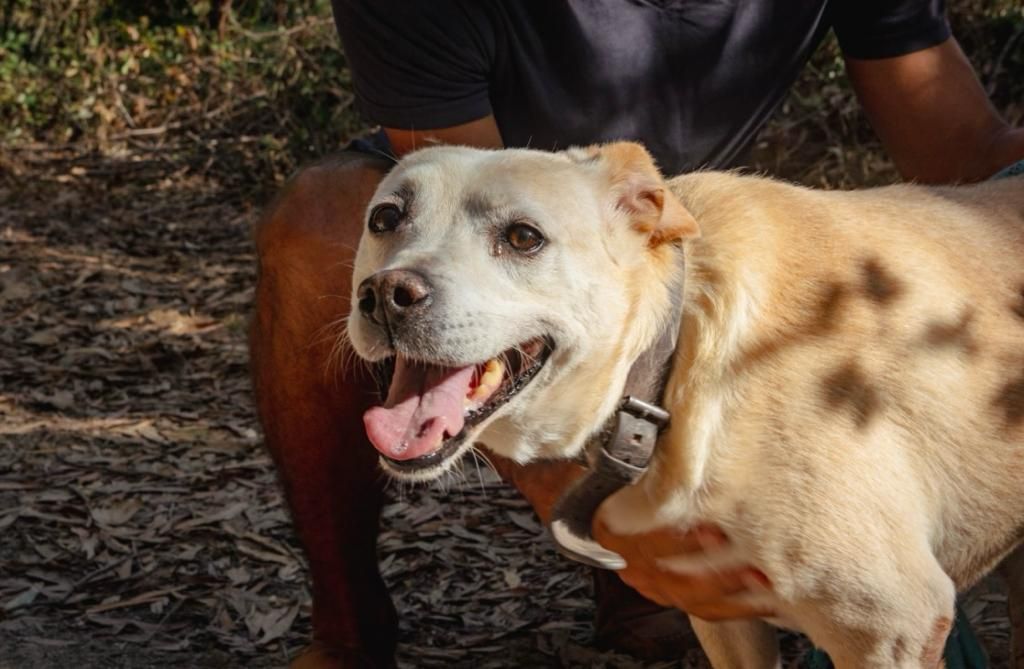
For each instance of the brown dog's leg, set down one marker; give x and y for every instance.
(738, 644)
(311, 406)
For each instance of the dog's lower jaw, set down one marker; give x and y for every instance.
(426, 474)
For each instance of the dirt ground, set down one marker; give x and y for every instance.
(140, 521)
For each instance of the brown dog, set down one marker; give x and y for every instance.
(847, 397)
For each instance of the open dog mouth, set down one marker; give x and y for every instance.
(430, 408)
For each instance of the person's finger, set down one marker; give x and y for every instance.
(699, 596)
(688, 591)
(637, 579)
(668, 542)
(710, 586)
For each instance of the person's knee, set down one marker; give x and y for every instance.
(321, 203)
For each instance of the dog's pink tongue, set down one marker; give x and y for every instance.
(424, 403)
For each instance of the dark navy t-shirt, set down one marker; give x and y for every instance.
(692, 79)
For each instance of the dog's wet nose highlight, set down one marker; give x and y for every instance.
(393, 293)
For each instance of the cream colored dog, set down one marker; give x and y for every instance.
(847, 397)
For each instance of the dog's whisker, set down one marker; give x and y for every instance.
(445, 481)
(528, 359)
(477, 456)
(464, 474)
(338, 244)
(346, 354)
(334, 333)
(327, 330)
(388, 155)
(478, 453)
(342, 355)
(344, 264)
(464, 484)
(479, 474)
(504, 360)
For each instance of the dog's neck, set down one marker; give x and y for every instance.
(723, 302)
(641, 402)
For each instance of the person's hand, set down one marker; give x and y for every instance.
(711, 595)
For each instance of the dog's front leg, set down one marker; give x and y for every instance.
(738, 644)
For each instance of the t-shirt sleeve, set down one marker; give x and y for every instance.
(886, 28)
(417, 65)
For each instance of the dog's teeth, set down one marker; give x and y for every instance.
(494, 371)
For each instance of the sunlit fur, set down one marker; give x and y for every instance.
(848, 395)
(489, 299)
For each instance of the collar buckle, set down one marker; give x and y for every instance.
(637, 426)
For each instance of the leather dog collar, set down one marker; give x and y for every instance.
(622, 449)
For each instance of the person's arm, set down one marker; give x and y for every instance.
(933, 116)
(711, 595)
(482, 133)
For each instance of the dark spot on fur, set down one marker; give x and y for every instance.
(880, 286)
(866, 605)
(1018, 307)
(826, 312)
(899, 650)
(1011, 400)
(477, 206)
(955, 334)
(822, 318)
(849, 388)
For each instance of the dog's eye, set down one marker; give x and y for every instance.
(524, 238)
(385, 218)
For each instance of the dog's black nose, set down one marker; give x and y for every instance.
(393, 294)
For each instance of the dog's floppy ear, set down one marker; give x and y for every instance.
(641, 192)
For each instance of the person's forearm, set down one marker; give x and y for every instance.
(934, 117)
(1007, 148)
(482, 133)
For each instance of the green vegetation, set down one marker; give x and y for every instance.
(270, 86)
(262, 84)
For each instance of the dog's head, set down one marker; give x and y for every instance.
(513, 289)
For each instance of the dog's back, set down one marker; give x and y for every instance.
(872, 408)
(886, 327)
